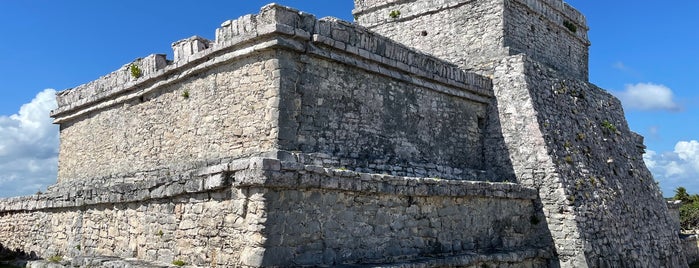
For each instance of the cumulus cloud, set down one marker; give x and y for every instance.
(677, 168)
(29, 147)
(648, 96)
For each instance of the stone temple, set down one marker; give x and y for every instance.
(427, 133)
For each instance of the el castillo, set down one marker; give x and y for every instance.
(425, 133)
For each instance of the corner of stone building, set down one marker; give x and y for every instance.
(569, 139)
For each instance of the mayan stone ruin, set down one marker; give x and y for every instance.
(427, 133)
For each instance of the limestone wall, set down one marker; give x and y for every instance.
(259, 212)
(219, 113)
(548, 41)
(342, 116)
(690, 248)
(472, 34)
(364, 101)
(570, 140)
(467, 33)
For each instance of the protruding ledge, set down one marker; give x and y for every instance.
(254, 172)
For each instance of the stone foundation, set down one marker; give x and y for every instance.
(265, 212)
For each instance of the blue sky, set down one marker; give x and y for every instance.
(644, 52)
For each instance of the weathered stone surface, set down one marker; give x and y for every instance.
(474, 33)
(261, 219)
(291, 141)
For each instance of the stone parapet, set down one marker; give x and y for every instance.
(275, 26)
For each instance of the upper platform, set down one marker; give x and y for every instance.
(278, 84)
(474, 34)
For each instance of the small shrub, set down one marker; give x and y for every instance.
(178, 263)
(185, 94)
(609, 126)
(570, 26)
(581, 136)
(394, 14)
(569, 159)
(160, 233)
(77, 247)
(135, 71)
(567, 145)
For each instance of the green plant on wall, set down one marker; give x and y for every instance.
(135, 71)
(568, 159)
(570, 26)
(609, 126)
(55, 258)
(394, 14)
(178, 263)
(185, 94)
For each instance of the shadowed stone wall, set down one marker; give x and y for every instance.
(588, 167)
(547, 127)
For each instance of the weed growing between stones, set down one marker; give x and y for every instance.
(178, 263)
(185, 94)
(609, 126)
(55, 258)
(569, 159)
(394, 14)
(570, 26)
(581, 136)
(135, 71)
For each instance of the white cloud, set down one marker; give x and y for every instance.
(29, 147)
(654, 132)
(677, 168)
(620, 66)
(648, 96)
(689, 152)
